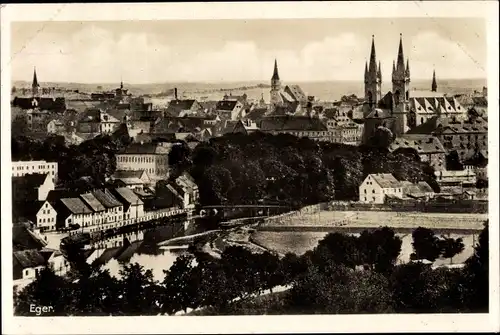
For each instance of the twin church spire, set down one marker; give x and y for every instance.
(373, 74)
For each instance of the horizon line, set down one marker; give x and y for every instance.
(234, 81)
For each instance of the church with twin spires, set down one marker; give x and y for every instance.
(401, 109)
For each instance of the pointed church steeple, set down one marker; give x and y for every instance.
(400, 65)
(393, 67)
(275, 73)
(434, 83)
(379, 72)
(373, 77)
(34, 84)
(35, 79)
(373, 58)
(407, 67)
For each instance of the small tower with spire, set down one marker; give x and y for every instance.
(34, 85)
(373, 78)
(434, 83)
(400, 90)
(275, 97)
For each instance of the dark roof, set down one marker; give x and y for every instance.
(386, 180)
(480, 101)
(43, 103)
(24, 239)
(76, 206)
(26, 209)
(300, 123)
(420, 142)
(226, 105)
(128, 174)
(257, 114)
(31, 181)
(297, 92)
(146, 149)
(427, 127)
(106, 198)
(128, 196)
(175, 107)
(28, 258)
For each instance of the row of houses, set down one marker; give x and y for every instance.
(378, 188)
(36, 200)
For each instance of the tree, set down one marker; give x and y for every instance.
(48, 289)
(134, 283)
(451, 247)
(336, 248)
(179, 158)
(425, 244)
(476, 275)
(382, 138)
(181, 285)
(416, 288)
(268, 270)
(379, 248)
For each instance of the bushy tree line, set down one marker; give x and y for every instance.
(80, 167)
(239, 168)
(343, 274)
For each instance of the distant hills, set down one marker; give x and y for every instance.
(325, 90)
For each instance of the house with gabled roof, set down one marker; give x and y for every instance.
(72, 212)
(181, 108)
(428, 148)
(133, 206)
(98, 210)
(114, 208)
(376, 187)
(132, 179)
(31, 187)
(230, 110)
(41, 213)
(26, 266)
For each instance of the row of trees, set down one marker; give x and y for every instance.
(80, 167)
(343, 274)
(239, 168)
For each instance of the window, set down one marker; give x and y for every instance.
(373, 191)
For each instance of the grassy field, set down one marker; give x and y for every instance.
(368, 219)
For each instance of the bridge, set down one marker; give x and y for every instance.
(251, 210)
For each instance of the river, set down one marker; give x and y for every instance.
(162, 245)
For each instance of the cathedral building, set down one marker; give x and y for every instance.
(402, 109)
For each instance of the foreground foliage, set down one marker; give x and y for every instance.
(343, 274)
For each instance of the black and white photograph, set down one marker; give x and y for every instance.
(179, 164)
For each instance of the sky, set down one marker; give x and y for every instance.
(142, 52)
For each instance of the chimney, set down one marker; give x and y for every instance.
(175, 93)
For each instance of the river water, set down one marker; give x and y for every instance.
(154, 255)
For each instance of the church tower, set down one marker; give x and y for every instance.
(34, 85)
(275, 86)
(373, 79)
(434, 83)
(400, 91)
